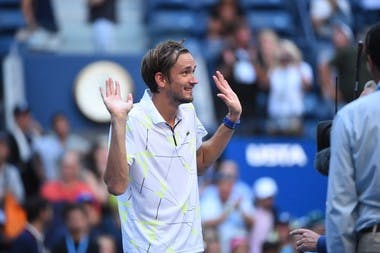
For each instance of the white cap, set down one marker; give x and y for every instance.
(264, 187)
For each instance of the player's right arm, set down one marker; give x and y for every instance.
(117, 168)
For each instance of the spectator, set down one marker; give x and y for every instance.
(283, 230)
(227, 207)
(104, 203)
(264, 190)
(288, 81)
(12, 217)
(31, 240)
(106, 244)
(22, 154)
(102, 16)
(229, 14)
(101, 222)
(10, 179)
(238, 63)
(93, 174)
(271, 247)
(324, 13)
(52, 147)
(41, 32)
(267, 54)
(214, 41)
(69, 187)
(77, 238)
(342, 63)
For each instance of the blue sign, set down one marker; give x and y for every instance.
(289, 161)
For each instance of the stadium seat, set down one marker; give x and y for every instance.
(170, 4)
(177, 22)
(5, 43)
(205, 4)
(278, 20)
(6, 3)
(11, 19)
(261, 4)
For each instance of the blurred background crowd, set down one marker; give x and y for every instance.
(282, 58)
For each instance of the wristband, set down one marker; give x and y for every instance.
(229, 124)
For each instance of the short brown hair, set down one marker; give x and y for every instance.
(372, 47)
(160, 59)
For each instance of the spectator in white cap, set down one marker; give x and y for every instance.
(264, 190)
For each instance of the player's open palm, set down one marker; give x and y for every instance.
(112, 99)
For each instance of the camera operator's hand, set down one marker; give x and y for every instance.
(306, 239)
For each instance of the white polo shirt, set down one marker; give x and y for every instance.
(160, 210)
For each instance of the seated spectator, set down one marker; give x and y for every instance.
(10, 179)
(283, 230)
(264, 190)
(22, 136)
(101, 222)
(271, 247)
(93, 173)
(288, 81)
(52, 146)
(77, 237)
(31, 240)
(102, 210)
(106, 244)
(69, 187)
(226, 207)
(12, 195)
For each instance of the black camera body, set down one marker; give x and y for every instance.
(322, 157)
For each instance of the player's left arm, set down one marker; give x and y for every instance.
(211, 149)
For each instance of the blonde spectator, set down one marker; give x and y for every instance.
(288, 81)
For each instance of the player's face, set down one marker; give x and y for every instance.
(182, 79)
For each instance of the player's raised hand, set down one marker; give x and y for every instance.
(228, 96)
(113, 101)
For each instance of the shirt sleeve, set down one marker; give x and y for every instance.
(341, 193)
(321, 244)
(201, 132)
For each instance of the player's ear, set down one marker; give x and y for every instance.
(160, 79)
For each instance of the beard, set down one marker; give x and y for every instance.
(181, 99)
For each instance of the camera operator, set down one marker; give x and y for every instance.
(353, 197)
